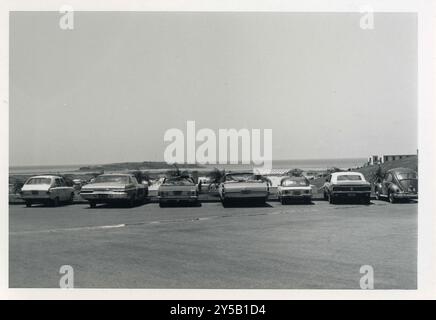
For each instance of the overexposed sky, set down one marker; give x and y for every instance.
(109, 89)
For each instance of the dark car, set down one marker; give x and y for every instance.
(397, 184)
(347, 185)
(178, 189)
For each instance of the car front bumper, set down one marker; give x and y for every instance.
(297, 196)
(36, 198)
(350, 194)
(102, 196)
(405, 195)
(245, 195)
(177, 198)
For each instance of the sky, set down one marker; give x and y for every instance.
(108, 90)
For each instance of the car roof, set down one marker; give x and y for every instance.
(240, 172)
(45, 176)
(293, 178)
(116, 174)
(394, 170)
(343, 173)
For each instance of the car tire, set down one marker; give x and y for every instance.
(332, 199)
(325, 196)
(377, 194)
(28, 204)
(392, 198)
(366, 200)
(132, 202)
(92, 204)
(70, 201)
(262, 202)
(55, 202)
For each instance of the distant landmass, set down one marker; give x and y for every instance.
(145, 165)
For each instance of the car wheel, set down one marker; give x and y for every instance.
(325, 196)
(377, 194)
(332, 199)
(28, 204)
(55, 202)
(132, 201)
(92, 204)
(70, 201)
(366, 200)
(392, 198)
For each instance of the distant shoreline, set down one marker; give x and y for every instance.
(304, 164)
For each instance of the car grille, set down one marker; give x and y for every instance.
(352, 188)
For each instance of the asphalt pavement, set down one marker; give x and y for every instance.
(317, 246)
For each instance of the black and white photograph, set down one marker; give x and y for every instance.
(216, 149)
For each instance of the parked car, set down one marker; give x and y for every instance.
(397, 184)
(46, 190)
(294, 188)
(114, 187)
(178, 189)
(347, 185)
(243, 186)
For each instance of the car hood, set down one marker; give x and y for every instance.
(409, 185)
(244, 185)
(104, 185)
(177, 187)
(35, 187)
(296, 188)
(352, 182)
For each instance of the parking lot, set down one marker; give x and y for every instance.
(317, 246)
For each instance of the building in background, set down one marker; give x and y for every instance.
(391, 157)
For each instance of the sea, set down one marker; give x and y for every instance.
(303, 164)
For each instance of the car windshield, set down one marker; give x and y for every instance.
(112, 178)
(352, 177)
(39, 181)
(294, 182)
(179, 181)
(406, 176)
(241, 177)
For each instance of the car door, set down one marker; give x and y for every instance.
(56, 189)
(387, 181)
(139, 187)
(65, 190)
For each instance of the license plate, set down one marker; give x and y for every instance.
(351, 194)
(34, 192)
(297, 193)
(177, 193)
(102, 196)
(245, 191)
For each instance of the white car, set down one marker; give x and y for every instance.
(246, 186)
(46, 190)
(294, 188)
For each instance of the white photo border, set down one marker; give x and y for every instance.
(426, 145)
